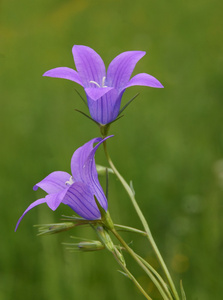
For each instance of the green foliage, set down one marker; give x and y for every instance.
(170, 143)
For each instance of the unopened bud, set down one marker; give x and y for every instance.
(54, 228)
(120, 256)
(105, 238)
(85, 246)
(91, 246)
(101, 170)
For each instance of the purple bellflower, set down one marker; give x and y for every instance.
(104, 90)
(76, 191)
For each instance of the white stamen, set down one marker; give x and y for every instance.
(70, 181)
(103, 82)
(98, 85)
(94, 82)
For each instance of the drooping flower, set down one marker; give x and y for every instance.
(76, 190)
(104, 90)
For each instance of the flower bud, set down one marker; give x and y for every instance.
(105, 238)
(54, 228)
(90, 246)
(120, 256)
(85, 246)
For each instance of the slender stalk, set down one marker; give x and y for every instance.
(129, 274)
(105, 239)
(141, 264)
(144, 222)
(163, 283)
(129, 229)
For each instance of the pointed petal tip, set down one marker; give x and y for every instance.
(64, 73)
(17, 224)
(35, 188)
(144, 79)
(16, 227)
(49, 73)
(109, 136)
(45, 74)
(143, 53)
(35, 203)
(158, 84)
(79, 46)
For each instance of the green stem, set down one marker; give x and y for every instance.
(141, 264)
(144, 222)
(129, 229)
(129, 274)
(164, 285)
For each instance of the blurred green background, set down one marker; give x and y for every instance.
(170, 143)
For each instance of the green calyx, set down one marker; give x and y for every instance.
(105, 216)
(104, 129)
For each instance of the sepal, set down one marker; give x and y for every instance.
(104, 129)
(105, 238)
(127, 104)
(105, 216)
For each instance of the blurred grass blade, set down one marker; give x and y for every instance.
(182, 291)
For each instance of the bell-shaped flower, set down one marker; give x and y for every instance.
(103, 89)
(78, 190)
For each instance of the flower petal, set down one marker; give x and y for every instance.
(89, 64)
(54, 200)
(79, 162)
(54, 182)
(106, 108)
(80, 198)
(96, 93)
(65, 73)
(90, 176)
(145, 80)
(35, 203)
(83, 169)
(121, 68)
